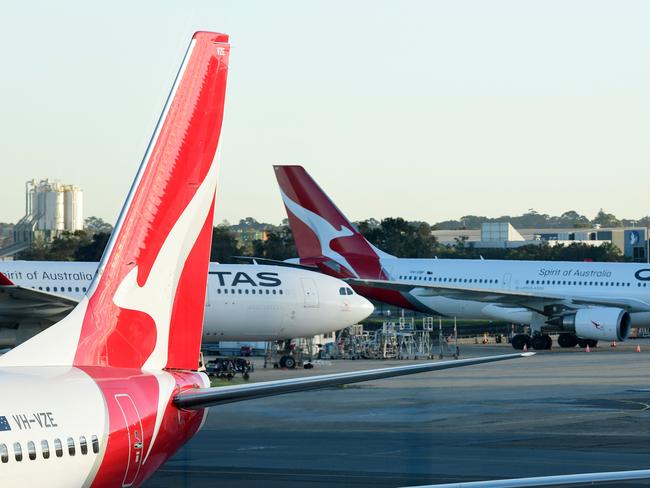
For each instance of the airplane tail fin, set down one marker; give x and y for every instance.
(323, 235)
(145, 306)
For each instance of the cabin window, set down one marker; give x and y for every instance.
(84, 289)
(18, 451)
(58, 448)
(83, 445)
(45, 448)
(274, 292)
(47, 288)
(71, 447)
(268, 292)
(54, 289)
(4, 453)
(76, 288)
(280, 292)
(95, 443)
(31, 450)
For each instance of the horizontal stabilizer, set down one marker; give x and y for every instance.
(206, 397)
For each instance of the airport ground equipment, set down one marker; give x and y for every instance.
(407, 338)
(229, 368)
(289, 354)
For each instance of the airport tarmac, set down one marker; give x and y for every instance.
(559, 412)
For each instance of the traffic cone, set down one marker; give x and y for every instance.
(638, 348)
(587, 349)
(525, 347)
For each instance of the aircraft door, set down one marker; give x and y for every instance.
(310, 292)
(135, 438)
(506, 281)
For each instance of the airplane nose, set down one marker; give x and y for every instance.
(361, 308)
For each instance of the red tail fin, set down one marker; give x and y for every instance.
(145, 306)
(322, 233)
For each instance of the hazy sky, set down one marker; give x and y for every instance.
(426, 110)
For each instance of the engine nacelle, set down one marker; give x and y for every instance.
(599, 323)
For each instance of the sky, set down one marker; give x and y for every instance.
(427, 110)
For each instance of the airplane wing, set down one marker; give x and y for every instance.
(561, 480)
(18, 303)
(527, 299)
(207, 397)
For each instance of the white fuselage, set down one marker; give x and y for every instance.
(37, 423)
(244, 302)
(575, 279)
(67, 426)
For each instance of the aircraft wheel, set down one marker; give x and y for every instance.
(549, 341)
(540, 342)
(519, 340)
(587, 342)
(567, 340)
(287, 362)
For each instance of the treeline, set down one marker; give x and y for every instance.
(82, 245)
(534, 220)
(395, 236)
(405, 239)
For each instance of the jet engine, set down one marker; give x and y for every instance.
(599, 323)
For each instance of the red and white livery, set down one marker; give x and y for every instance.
(105, 396)
(583, 302)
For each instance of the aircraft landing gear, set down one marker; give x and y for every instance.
(519, 340)
(542, 341)
(587, 342)
(287, 362)
(567, 340)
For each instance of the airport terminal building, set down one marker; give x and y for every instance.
(632, 241)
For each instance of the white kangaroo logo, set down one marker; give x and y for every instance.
(325, 232)
(156, 297)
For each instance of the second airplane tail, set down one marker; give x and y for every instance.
(323, 235)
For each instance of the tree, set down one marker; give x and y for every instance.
(606, 220)
(224, 245)
(401, 238)
(92, 251)
(279, 245)
(97, 224)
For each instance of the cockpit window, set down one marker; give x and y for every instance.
(349, 290)
(342, 291)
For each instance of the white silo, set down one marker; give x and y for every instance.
(73, 208)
